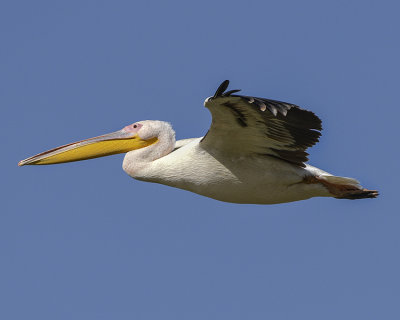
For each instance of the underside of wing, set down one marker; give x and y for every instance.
(245, 126)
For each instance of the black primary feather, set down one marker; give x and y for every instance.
(221, 89)
(228, 93)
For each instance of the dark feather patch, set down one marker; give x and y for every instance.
(228, 93)
(360, 194)
(297, 157)
(289, 130)
(221, 89)
(240, 117)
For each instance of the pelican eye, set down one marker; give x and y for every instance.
(135, 125)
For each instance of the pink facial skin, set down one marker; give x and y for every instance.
(133, 128)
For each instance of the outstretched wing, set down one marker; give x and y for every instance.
(245, 126)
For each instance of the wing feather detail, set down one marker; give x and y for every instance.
(245, 126)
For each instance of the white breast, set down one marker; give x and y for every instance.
(261, 180)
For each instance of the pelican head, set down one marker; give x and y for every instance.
(132, 137)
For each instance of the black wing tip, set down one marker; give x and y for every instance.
(304, 118)
(222, 88)
(229, 93)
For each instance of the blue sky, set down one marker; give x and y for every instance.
(85, 241)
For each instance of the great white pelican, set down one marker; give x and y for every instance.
(254, 152)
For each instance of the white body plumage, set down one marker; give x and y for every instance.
(245, 179)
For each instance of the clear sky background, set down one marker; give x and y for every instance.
(85, 241)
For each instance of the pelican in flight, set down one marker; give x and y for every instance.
(254, 152)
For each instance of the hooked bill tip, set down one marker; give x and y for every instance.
(23, 162)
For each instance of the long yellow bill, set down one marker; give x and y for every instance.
(121, 141)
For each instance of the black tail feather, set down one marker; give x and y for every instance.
(359, 194)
